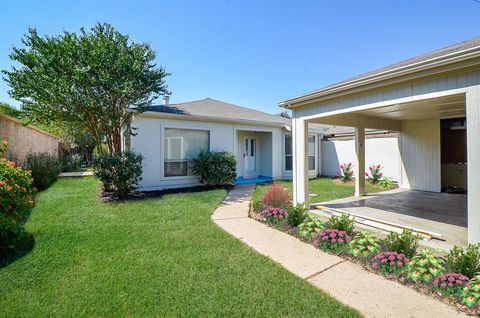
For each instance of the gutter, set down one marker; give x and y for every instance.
(211, 119)
(344, 87)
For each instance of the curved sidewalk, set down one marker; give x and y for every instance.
(371, 294)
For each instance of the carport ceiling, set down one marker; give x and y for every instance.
(452, 106)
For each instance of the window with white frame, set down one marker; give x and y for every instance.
(311, 152)
(181, 146)
(289, 152)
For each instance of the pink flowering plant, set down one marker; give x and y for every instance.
(471, 292)
(332, 240)
(375, 174)
(450, 284)
(390, 262)
(346, 172)
(274, 215)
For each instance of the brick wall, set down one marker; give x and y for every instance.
(24, 139)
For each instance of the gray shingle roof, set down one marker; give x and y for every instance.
(209, 107)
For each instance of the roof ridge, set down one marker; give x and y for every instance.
(219, 101)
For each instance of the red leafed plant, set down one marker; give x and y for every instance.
(390, 262)
(450, 283)
(276, 196)
(332, 239)
(274, 215)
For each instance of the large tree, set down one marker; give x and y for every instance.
(88, 79)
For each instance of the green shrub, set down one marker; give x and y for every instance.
(471, 293)
(297, 214)
(386, 182)
(216, 168)
(405, 243)
(71, 163)
(364, 244)
(310, 226)
(120, 173)
(425, 266)
(16, 200)
(466, 262)
(44, 167)
(342, 223)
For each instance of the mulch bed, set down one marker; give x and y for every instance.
(106, 196)
(424, 288)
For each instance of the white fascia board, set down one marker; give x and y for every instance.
(211, 119)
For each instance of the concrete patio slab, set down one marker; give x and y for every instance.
(443, 213)
(371, 294)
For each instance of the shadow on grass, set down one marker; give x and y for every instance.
(156, 194)
(23, 247)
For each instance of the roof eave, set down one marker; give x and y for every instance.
(346, 87)
(211, 119)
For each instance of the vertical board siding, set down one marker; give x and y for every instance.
(383, 151)
(420, 155)
(452, 84)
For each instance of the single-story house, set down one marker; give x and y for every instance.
(170, 136)
(433, 102)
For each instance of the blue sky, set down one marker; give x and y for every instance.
(255, 53)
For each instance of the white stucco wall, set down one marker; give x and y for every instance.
(421, 156)
(383, 151)
(223, 137)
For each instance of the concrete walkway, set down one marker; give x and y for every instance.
(76, 174)
(371, 294)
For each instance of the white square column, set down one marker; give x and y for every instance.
(473, 163)
(300, 162)
(359, 168)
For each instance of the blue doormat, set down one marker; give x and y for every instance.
(259, 179)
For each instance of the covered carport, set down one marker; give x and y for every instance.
(414, 98)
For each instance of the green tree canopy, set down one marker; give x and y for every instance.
(10, 110)
(88, 79)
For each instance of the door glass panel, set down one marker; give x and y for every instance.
(252, 147)
(288, 163)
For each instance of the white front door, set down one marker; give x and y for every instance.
(250, 158)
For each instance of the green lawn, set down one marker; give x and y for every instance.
(156, 257)
(325, 189)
